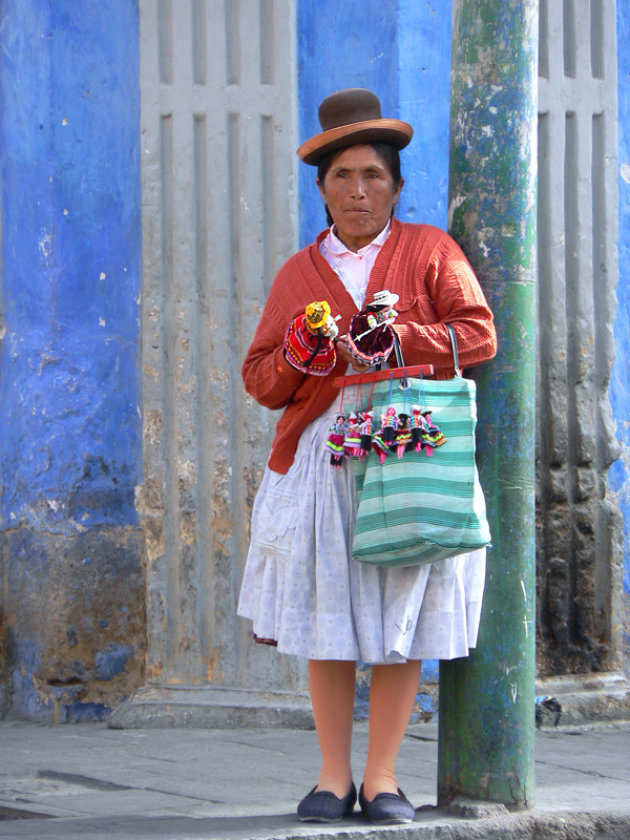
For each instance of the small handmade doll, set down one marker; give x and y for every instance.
(336, 440)
(402, 436)
(309, 342)
(424, 433)
(416, 427)
(352, 442)
(371, 336)
(389, 424)
(432, 436)
(384, 437)
(365, 429)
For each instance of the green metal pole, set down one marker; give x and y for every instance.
(486, 708)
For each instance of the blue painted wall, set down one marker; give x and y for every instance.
(69, 421)
(619, 389)
(401, 50)
(70, 429)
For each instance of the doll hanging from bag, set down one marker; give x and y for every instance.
(336, 440)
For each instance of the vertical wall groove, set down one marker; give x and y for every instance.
(267, 155)
(572, 268)
(232, 41)
(203, 449)
(543, 50)
(267, 41)
(165, 41)
(199, 42)
(597, 39)
(569, 38)
(600, 270)
(170, 451)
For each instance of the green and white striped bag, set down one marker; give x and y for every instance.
(419, 508)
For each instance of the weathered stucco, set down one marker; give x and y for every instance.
(75, 631)
(72, 600)
(579, 526)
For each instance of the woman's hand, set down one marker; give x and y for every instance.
(344, 351)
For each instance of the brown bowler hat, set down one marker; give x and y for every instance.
(350, 117)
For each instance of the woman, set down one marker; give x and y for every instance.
(301, 587)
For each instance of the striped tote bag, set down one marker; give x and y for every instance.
(423, 508)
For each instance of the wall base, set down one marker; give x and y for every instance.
(588, 698)
(585, 699)
(208, 707)
(72, 626)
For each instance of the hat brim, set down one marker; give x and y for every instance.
(396, 132)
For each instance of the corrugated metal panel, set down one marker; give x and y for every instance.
(218, 164)
(578, 526)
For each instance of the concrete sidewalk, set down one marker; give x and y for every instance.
(87, 781)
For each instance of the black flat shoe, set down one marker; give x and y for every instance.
(387, 808)
(324, 806)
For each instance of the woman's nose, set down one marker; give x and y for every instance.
(358, 187)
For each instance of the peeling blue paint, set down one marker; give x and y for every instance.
(111, 660)
(69, 164)
(70, 427)
(27, 698)
(87, 712)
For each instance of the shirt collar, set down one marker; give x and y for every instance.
(336, 246)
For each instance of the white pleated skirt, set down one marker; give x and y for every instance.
(303, 591)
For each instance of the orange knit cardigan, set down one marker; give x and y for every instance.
(436, 286)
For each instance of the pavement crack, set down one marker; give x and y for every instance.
(83, 781)
(579, 770)
(426, 738)
(184, 795)
(102, 785)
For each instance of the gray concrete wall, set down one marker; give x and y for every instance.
(579, 542)
(218, 173)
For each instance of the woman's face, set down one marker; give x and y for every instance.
(359, 191)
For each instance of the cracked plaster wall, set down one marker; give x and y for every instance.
(72, 591)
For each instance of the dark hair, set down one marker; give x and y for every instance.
(386, 152)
